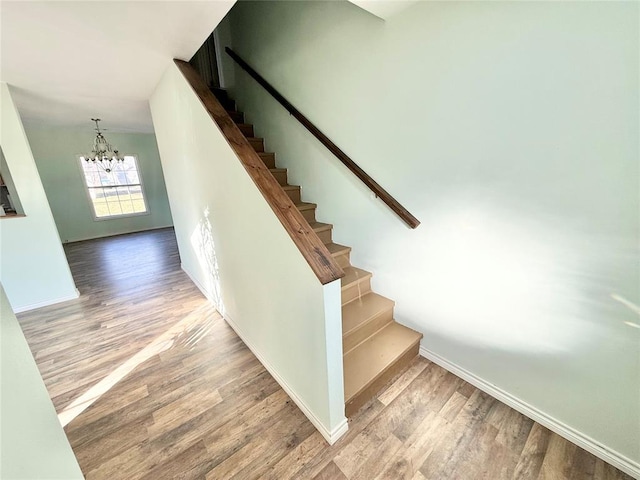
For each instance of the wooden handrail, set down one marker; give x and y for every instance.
(380, 192)
(316, 254)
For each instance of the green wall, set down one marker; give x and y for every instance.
(55, 151)
(510, 129)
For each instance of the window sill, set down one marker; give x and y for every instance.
(124, 215)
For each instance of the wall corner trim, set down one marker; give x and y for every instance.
(589, 444)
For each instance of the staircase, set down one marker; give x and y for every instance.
(375, 347)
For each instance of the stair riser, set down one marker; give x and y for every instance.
(228, 104)
(257, 144)
(294, 194)
(343, 260)
(224, 99)
(237, 117)
(356, 290)
(281, 177)
(359, 335)
(220, 93)
(309, 215)
(353, 405)
(247, 130)
(269, 159)
(325, 236)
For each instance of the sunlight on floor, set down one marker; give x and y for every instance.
(186, 333)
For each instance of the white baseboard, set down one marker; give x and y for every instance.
(331, 436)
(197, 283)
(619, 461)
(96, 237)
(46, 303)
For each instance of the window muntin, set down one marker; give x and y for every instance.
(117, 193)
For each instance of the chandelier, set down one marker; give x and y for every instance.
(103, 153)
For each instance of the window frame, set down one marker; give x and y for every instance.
(92, 207)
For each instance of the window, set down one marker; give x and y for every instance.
(117, 193)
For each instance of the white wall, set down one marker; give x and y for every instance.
(33, 267)
(234, 247)
(56, 149)
(510, 129)
(33, 442)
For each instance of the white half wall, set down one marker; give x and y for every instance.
(234, 247)
(33, 266)
(33, 442)
(510, 130)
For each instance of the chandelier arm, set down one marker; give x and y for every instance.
(103, 152)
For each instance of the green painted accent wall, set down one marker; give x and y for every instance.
(55, 151)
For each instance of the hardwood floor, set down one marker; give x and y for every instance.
(196, 403)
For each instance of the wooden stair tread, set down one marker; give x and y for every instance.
(237, 117)
(305, 205)
(337, 249)
(352, 275)
(257, 143)
(293, 191)
(269, 159)
(365, 363)
(220, 90)
(358, 312)
(246, 129)
(223, 98)
(341, 253)
(319, 226)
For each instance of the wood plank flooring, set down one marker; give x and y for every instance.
(202, 407)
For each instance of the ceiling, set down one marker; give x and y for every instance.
(384, 9)
(68, 61)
